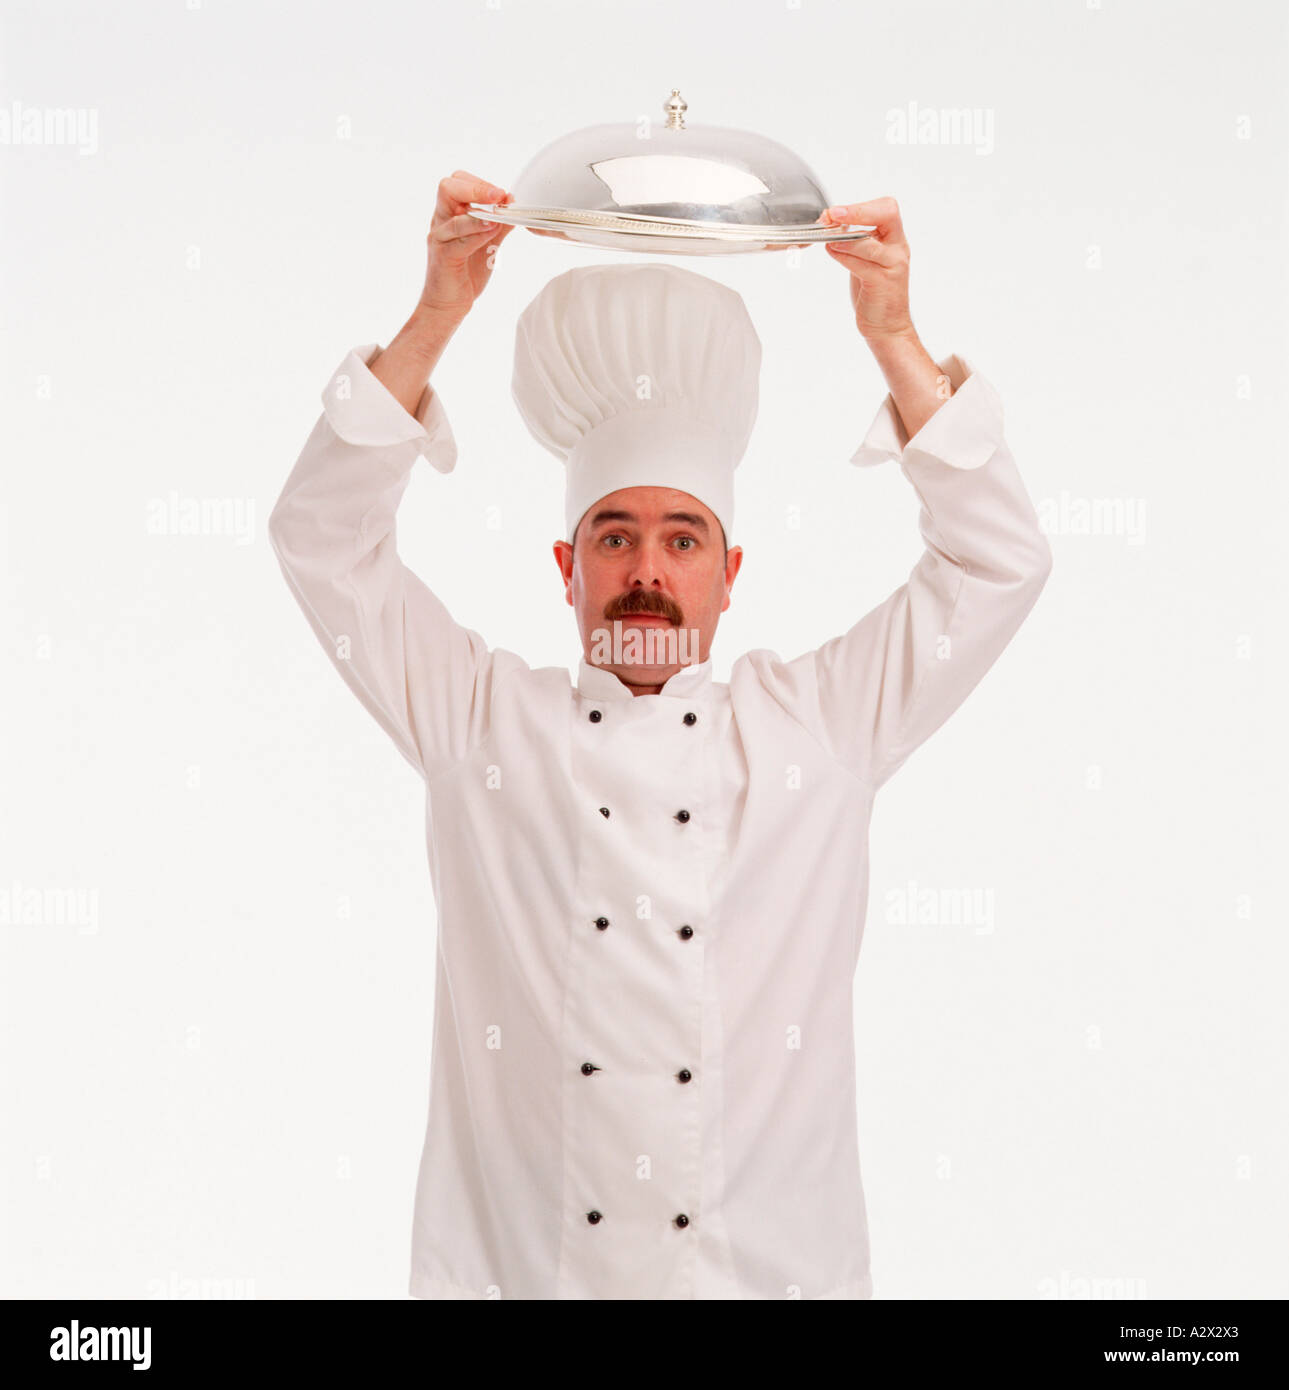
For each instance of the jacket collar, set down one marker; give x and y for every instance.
(689, 683)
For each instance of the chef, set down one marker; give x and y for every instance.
(651, 884)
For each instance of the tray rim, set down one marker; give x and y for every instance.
(561, 219)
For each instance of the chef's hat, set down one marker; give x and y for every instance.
(635, 375)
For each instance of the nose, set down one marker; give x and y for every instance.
(647, 565)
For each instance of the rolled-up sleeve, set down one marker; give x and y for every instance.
(876, 692)
(424, 677)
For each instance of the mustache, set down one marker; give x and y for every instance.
(644, 601)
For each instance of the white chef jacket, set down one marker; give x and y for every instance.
(650, 907)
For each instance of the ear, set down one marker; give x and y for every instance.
(563, 553)
(733, 563)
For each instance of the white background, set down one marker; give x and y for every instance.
(219, 1073)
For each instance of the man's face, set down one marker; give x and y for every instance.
(649, 561)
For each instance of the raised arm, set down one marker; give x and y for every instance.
(879, 690)
(425, 678)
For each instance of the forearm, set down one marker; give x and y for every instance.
(404, 367)
(888, 683)
(342, 495)
(917, 386)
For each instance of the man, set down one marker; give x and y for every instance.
(651, 885)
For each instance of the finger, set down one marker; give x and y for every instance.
(882, 213)
(464, 229)
(505, 228)
(869, 251)
(462, 188)
(470, 188)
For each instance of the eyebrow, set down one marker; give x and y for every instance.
(688, 518)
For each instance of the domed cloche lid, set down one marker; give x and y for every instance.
(679, 189)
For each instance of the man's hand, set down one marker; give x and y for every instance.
(462, 250)
(878, 266)
(879, 293)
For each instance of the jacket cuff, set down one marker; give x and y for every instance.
(964, 432)
(361, 409)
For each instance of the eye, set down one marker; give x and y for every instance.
(614, 537)
(690, 539)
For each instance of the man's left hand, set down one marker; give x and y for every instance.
(878, 266)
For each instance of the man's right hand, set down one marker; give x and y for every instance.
(462, 250)
(461, 254)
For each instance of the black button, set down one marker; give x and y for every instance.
(602, 922)
(682, 1220)
(684, 1074)
(604, 811)
(685, 932)
(691, 718)
(681, 816)
(593, 1217)
(595, 716)
(588, 1068)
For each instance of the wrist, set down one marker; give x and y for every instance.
(427, 331)
(897, 349)
(899, 337)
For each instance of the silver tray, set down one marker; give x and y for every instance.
(674, 235)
